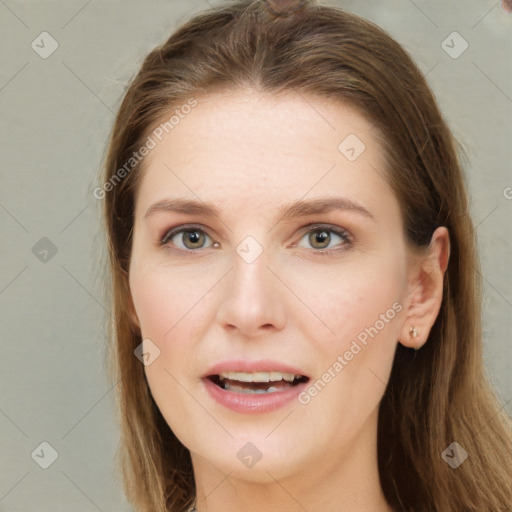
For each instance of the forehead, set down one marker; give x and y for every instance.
(247, 146)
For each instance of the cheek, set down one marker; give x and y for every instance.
(350, 299)
(172, 311)
(160, 297)
(153, 305)
(359, 302)
(173, 306)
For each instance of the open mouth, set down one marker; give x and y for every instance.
(258, 382)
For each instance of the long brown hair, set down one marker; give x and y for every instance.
(435, 396)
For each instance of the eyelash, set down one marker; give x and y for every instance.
(342, 233)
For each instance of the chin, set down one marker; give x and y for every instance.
(259, 460)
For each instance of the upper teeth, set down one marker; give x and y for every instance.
(258, 376)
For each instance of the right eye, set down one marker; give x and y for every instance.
(186, 238)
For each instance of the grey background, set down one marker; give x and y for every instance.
(55, 117)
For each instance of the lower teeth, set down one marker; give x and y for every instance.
(240, 389)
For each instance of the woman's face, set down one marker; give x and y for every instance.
(302, 269)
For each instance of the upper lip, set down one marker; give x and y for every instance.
(246, 366)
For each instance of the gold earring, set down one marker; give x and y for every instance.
(413, 332)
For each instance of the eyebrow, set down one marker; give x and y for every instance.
(300, 208)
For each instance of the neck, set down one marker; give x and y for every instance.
(345, 482)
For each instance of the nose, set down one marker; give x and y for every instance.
(252, 301)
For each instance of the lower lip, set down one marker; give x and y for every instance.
(253, 403)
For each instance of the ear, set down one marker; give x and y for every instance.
(426, 290)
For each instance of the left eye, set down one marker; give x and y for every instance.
(321, 237)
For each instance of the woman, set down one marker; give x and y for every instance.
(294, 277)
